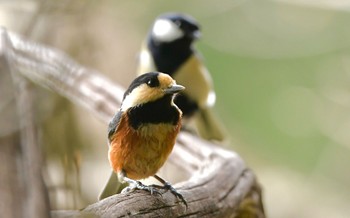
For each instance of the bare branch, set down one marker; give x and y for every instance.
(52, 69)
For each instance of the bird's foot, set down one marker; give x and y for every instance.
(169, 187)
(140, 186)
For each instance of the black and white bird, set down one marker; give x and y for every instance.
(168, 48)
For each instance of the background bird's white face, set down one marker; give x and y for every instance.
(166, 31)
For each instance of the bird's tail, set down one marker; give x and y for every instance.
(208, 125)
(112, 187)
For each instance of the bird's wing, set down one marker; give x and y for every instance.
(113, 125)
(208, 125)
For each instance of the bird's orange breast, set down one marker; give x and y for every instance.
(140, 153)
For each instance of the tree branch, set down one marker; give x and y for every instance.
(220, 184)
(28, 182)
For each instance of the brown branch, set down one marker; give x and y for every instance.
(220, 185)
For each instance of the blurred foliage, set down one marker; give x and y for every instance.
(281, 71)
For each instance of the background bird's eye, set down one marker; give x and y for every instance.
(153, 82)
(178, 23)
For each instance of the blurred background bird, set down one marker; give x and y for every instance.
(168, 48)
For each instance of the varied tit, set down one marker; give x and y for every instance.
(169, 49)
(143, 133)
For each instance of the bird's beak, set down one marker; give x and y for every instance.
(174, 89)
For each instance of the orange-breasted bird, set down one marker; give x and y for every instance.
(169, 48)
(142, 134)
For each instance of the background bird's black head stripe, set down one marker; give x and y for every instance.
(187, 23)
(168, 57)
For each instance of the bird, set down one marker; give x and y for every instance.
(169, 48)
(142, 134)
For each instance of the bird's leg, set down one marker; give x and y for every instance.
(168, 186)
(134, 184)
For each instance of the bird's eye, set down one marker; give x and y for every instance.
(178, 23)
(153, 82)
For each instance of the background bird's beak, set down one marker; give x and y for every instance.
(174, 89)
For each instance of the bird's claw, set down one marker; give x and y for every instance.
(169, 187)
(153, 189)
(140, 186)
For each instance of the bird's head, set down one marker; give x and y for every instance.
(173, 26)
(149, 87)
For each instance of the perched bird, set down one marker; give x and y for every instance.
(142, 134)
(169, 49)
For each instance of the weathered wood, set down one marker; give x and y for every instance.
(36, 194)
(22, 171)
(220, 185)
(50, 68)
(10, 179)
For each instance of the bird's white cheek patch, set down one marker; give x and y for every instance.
(166, 31)
(134, 98)
(128, 103)
(141, 95)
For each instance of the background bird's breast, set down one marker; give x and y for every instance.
(196, 79)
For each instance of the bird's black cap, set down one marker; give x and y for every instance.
(151, 79)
